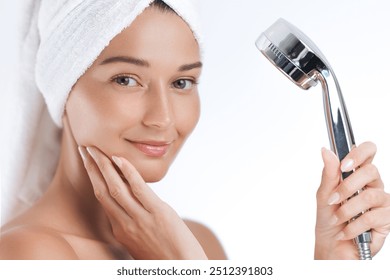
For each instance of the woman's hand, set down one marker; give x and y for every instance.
(334, 235)
(140, 220)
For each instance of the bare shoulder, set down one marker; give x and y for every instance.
(32, 242)
(210, 243)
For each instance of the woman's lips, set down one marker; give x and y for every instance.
(152, 148)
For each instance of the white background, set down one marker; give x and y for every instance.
(251, 169)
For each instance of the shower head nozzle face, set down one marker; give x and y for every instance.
(292, 53)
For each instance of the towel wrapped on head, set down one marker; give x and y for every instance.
(60, 40)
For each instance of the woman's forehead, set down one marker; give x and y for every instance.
(155, 35)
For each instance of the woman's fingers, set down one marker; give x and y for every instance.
(99, 185)
(149, 228)
(145, 195)
(377, 219)
(364, 153)
(368, 199)
(109, 188)
(365, 177)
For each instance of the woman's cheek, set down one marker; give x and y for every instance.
(87, 117)
(187, 115)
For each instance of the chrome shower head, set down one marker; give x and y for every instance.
(296, 56)
(293, 53)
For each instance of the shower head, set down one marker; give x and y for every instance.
(293, 53)
(296, 56)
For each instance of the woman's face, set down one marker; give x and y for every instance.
(139, 99)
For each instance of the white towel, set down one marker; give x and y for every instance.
(60, 39)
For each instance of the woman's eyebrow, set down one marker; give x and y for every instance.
(144, 63)
(126, 59)
(187, 67)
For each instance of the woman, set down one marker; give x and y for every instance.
(123, 122)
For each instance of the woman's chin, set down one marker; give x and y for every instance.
(152, 173)
(152, 177)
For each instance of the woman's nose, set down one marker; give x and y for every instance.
(159, 112)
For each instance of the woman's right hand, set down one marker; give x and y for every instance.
(334, 233)
(148, 227)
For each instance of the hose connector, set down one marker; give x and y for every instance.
(363, 243)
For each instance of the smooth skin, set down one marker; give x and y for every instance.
(141, 89)
(141, 92)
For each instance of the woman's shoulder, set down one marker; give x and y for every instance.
(209, 241)
(34, 242)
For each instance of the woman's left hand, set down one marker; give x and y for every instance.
(334, 235)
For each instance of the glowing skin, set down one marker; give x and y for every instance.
(138, 102)
(139, 99)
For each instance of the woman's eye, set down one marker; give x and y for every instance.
(183, 84)
(125, 81)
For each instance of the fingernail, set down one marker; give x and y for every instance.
(327, 154)
(117, 161)
(334, 198)
(339, 236)
(347, 165)
(92, 153)
(333, 220)
(82, 153)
